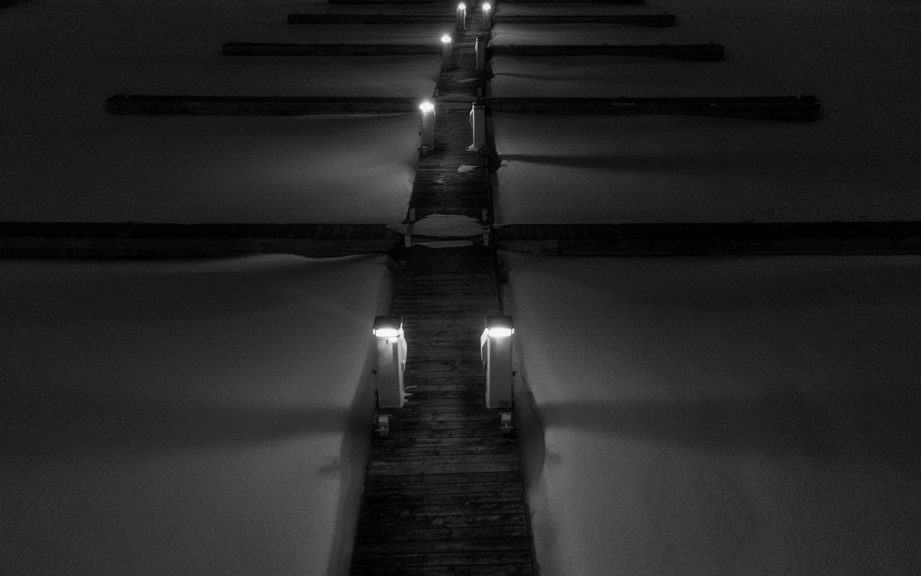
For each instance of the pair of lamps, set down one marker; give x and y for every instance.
(477, 125)
(495, 353)
(486, 7)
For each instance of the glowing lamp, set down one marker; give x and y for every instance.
(487, 16)
(496, 354)
(388, 327)
(428, 127)
(446, 43)
(391, 361)
(461, 16)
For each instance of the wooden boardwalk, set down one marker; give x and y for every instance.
(444, 492)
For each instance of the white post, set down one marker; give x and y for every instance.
(428, 126)
(480, 48)
(446, 45)
(461, 17)
(391, 361)
(478, 124)
(487, 16)
(496, 354)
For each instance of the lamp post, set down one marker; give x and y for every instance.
(428, 127)
(480, 50)
(487, 16)
(478, 125)
(461, 17)
(496, 354)
(446, 44)
(391, 361)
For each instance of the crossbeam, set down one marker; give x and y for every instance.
(703, 239)
(109, 240)
(790, 109)
(372, 19)
(652, 20)
(701, 52)
(282, 49)
(256, 105)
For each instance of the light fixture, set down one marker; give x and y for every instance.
(446, 39)
(499, 326)
(461, 16)
(388, 327)
(496, 354)
(391, 361)
(487, 16)
(428, 127)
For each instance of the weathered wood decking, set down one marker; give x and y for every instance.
(444, 491)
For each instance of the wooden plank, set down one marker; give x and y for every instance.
(695, 239)
(700, 52)
(105, 240)
(370, 19)
(790, 109)
(651, 20)
(337, 50)
(256, 105)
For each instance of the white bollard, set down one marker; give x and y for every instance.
(478, 125)
(446, 48)
(480, 48)
(428, 126)
(496, 354)
(461, 24)
(391, 361)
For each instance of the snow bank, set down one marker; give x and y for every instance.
(63, 158)
(860, 161)
(721, 416)
(199, 417)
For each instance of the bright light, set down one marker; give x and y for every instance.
(388, 327)
(499, 326)
(486, 7)
(500, 332)
(426, 107)
(446, 39)
(461, 6)
(388, 332)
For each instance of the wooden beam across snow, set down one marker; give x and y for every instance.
(282, 49)
(702, 52)
(790, 109)
(256, 105)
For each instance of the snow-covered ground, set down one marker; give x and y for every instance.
(195, 417)
(721, 416)
(860, 161)
(696, 416)
(63, 158)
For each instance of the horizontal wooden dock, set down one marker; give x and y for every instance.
(335, 50)
(790, 109)
(705, 239)
(370, 19)
(652, 20)
(135, 240)
(256, 105)
(701, 52)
